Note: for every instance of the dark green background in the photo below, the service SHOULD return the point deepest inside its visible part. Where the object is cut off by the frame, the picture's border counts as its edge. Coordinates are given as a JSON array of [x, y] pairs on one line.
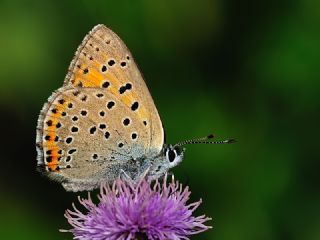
[[242, 69]]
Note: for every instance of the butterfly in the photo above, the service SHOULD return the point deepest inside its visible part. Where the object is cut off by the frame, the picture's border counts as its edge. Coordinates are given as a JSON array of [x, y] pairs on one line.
[[103, 122]]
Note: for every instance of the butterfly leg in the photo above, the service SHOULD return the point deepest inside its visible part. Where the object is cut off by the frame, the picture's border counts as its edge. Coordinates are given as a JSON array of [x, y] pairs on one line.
[[143, 175], [124, 176], [137, 179]]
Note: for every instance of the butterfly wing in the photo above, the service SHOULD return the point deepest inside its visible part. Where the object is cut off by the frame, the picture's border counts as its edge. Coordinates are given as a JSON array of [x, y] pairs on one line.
[[102, 116], [104, 61], [84, 130]]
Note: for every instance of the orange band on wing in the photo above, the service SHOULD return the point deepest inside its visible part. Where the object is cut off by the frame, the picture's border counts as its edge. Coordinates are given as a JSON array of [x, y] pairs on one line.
[[51, 137], [94, 78]]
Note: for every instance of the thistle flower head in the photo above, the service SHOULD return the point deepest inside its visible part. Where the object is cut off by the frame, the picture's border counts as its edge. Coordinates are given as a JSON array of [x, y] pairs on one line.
[[128, 211]]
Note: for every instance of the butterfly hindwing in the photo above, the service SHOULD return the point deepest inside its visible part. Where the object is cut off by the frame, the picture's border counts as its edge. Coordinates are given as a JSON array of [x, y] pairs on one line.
[[87, 129]]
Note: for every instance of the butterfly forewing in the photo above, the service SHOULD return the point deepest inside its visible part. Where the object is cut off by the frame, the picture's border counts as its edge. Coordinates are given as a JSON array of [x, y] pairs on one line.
[[104, 61]]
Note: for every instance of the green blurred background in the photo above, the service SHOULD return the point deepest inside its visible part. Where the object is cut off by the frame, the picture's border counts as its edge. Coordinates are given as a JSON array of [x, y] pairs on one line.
[[242, 69]]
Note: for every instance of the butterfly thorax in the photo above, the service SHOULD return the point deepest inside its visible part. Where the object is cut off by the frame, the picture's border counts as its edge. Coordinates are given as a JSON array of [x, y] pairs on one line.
[[153, 165]]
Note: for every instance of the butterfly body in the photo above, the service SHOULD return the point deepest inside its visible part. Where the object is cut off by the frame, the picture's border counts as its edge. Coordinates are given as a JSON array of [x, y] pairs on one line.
[[102, 122]]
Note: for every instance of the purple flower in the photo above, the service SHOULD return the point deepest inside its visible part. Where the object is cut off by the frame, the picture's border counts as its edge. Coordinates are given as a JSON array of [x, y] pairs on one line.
[[137, 211]]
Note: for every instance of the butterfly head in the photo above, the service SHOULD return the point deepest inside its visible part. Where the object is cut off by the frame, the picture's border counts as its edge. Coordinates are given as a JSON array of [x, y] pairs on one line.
[[172, 155]]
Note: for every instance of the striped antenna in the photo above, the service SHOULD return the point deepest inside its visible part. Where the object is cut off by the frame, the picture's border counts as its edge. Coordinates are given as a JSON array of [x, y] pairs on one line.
[[205, 140]]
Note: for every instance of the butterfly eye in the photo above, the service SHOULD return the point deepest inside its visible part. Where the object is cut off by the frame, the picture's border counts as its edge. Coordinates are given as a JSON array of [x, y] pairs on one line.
[[171, 155], [174, 155]]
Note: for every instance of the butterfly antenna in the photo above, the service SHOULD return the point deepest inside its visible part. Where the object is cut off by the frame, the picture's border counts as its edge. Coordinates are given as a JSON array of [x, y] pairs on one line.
[[205, 140]]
